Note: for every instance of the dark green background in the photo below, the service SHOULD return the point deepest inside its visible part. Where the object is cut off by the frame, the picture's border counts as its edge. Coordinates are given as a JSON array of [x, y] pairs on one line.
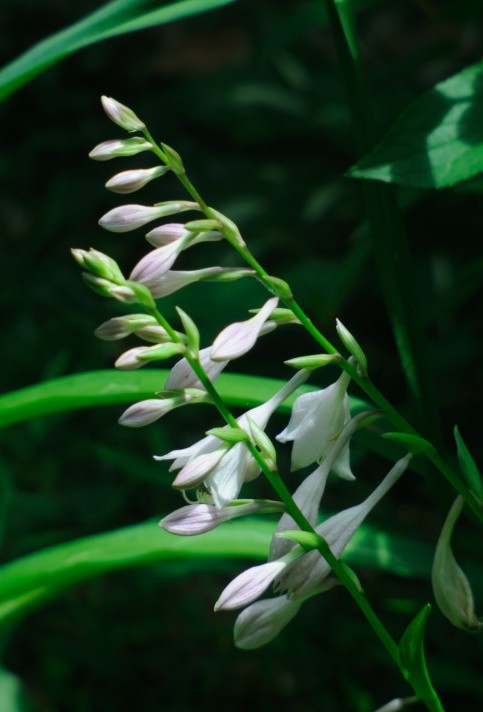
[[252, 98]]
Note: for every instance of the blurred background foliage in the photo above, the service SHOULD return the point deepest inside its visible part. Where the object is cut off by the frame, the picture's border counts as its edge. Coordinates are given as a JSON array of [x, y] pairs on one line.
[[252, 98]]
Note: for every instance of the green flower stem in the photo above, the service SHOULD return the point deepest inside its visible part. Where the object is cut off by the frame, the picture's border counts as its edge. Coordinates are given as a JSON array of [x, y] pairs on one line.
[[285, 496], [364, 383]]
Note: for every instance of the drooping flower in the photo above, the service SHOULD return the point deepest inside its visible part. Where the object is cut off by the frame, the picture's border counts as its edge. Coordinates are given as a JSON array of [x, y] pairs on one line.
[[317, 418], [230, 466], [451, 587], [183, 376], [238, 338], [303, 576]]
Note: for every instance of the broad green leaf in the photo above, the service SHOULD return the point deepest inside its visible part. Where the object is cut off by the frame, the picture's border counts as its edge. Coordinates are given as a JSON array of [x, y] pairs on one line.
[[468, 465], [112, 387], [437, 141], [28, 582], [413, 661], [112, 19]]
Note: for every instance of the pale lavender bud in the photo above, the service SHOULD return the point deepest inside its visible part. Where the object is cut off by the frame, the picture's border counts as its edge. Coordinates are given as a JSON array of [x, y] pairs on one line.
[[130, 181], [129, 360], [238, 338], [165, 234], [148, 411], [154, 334], [130, 217], [124, 294], [155, 264], [98, 264], [121, 115], [121, 326], [200, 518], [250, 584], [451, 587], [172, 280], [117, 148]]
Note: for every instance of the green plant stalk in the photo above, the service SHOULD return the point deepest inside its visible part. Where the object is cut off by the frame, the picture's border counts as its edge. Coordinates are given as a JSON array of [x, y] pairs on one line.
[[280, 488], [364, 383], [390, 244]]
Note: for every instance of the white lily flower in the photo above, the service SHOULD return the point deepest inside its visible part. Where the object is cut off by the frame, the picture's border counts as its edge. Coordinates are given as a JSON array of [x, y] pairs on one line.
[[130, 181], [317, 419], [239, 337], [234, 466], [451, 587], [121, 115], [129, 217], [200, 518], [309, 572], [310, 492]]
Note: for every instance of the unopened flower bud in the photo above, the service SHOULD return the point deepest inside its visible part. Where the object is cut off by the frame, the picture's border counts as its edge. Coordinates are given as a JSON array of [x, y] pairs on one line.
[[98, 264], [352, 347], [130, 217], [129, 360], [451, 587], [148, 411], [150, 269], [238, 338], [117, 148], [122, 115], [200, 518], [121, 326], [165, 234], [173, 159], [130, 181]]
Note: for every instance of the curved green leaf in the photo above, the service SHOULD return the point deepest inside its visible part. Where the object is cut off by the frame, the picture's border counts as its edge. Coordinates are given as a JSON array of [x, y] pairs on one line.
[[437, 141], [36, 578], [112, 19], [109, 387]]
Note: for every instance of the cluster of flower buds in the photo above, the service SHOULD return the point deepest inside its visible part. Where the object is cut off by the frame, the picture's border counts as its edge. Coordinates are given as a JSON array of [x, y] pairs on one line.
[[217, 466]]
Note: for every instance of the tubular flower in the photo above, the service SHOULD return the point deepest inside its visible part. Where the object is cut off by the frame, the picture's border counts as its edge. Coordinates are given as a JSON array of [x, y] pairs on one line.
[[224, 469], [299, 575], [156, 263], [317, 419], [173, 280]]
